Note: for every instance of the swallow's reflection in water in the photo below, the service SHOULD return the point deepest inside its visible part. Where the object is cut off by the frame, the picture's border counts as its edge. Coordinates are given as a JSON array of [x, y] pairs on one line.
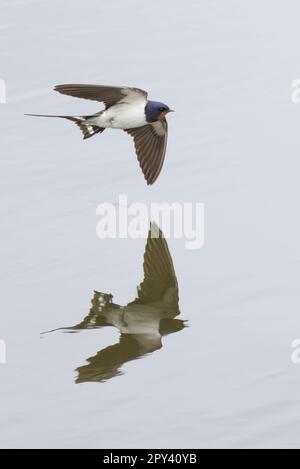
[[141, 323]]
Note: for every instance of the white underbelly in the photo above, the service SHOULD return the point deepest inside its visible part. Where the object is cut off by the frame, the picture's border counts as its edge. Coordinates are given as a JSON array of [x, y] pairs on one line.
[[121, 116]]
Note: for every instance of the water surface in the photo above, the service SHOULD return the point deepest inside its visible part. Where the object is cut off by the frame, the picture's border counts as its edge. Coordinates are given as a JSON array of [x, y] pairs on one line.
[[227, 379]]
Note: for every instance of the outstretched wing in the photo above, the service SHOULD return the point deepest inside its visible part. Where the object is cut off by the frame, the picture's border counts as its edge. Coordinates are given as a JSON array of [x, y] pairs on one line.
[[106, 363], [159, 274], [150, 144], [109, 95]]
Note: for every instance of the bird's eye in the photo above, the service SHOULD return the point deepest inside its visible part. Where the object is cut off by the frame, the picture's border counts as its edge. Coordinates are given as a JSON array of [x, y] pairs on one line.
[[162, 109]]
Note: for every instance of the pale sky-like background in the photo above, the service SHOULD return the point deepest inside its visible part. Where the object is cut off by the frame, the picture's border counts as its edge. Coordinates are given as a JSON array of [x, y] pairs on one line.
[[226, 68]]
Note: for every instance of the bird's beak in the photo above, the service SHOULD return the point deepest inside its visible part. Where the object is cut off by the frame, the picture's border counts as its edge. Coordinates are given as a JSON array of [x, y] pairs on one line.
[[163, 113]]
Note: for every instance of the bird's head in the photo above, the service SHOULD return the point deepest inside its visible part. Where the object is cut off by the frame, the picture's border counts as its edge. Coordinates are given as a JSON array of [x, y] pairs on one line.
[[155, 111]]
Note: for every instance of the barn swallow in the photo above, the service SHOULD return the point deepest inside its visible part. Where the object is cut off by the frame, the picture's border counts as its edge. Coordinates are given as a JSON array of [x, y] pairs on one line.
[[130, 110], [143, 322]]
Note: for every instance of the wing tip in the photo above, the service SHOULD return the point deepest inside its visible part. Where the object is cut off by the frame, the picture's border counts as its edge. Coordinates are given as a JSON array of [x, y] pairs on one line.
[[59, 88], [152, 179]]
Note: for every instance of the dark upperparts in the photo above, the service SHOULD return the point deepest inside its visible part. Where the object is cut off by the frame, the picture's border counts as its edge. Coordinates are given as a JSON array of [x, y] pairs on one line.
[[154, 110]]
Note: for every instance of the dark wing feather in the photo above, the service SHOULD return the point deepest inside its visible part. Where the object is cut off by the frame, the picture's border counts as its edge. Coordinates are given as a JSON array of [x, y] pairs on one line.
[[159, 273], [150, 144], [109, 95], [106, 363]]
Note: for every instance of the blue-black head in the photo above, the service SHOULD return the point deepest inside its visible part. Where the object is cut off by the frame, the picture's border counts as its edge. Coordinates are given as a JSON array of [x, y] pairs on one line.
[[155, 110]]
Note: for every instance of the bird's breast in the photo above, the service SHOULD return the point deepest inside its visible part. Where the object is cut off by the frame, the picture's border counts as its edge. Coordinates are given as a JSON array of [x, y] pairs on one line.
[[123, 116]]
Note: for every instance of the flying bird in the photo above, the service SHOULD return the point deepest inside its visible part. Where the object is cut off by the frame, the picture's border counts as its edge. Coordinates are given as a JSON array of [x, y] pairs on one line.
[[142, 323], [130, 110]]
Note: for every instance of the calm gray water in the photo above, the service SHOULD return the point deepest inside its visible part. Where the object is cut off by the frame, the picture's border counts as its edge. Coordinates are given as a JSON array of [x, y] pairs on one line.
[[226, 380]]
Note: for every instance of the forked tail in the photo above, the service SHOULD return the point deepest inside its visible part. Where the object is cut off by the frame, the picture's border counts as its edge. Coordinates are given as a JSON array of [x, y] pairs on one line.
[[87, 129]]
